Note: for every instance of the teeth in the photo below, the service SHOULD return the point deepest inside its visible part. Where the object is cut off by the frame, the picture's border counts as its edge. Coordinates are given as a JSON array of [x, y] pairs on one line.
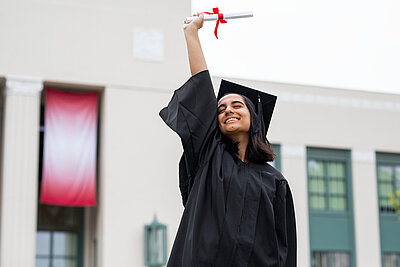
[[231, 119]]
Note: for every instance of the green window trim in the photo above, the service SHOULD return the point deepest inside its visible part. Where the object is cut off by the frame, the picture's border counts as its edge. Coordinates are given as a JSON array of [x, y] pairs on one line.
[[388, 177], [331, 226], [330, 258], [391, 259], [277, 162], [329, 180], [387, 182]]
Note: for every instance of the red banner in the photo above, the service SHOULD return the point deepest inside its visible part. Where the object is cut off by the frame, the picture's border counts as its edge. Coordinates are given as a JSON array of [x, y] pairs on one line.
[[70, 144]]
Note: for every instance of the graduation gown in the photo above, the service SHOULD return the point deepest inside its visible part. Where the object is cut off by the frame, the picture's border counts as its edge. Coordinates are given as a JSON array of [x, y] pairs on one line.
[[236, 213]]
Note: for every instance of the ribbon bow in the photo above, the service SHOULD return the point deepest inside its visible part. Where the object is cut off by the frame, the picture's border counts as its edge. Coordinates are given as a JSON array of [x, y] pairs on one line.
[[220, 19]]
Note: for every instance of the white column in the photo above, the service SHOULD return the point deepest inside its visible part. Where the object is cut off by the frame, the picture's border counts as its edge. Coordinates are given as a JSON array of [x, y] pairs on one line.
[[294, 169], [366, 214], [20, 160]]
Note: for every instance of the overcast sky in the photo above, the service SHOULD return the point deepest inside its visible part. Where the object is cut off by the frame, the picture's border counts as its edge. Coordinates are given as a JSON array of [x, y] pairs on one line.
[[348, 44]]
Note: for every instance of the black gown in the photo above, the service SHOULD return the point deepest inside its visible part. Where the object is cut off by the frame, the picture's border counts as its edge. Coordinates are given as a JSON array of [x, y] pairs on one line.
[[236, 213]]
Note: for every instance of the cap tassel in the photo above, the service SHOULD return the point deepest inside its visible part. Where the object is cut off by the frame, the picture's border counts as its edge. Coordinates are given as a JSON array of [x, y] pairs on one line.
[[260, 117]]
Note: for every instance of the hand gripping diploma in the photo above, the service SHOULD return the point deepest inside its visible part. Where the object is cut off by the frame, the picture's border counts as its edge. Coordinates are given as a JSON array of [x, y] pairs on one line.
[[197, 61]]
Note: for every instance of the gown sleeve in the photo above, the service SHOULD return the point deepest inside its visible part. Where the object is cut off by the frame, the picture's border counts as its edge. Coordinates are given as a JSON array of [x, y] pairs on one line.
[[191, 113], [285, 226]]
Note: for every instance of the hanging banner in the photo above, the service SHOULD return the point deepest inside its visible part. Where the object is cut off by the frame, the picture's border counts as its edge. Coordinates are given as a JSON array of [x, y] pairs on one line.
[[70, 147]]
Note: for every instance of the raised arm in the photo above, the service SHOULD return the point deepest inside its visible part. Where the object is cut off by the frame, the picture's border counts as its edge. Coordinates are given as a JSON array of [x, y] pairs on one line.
[[197, 61]]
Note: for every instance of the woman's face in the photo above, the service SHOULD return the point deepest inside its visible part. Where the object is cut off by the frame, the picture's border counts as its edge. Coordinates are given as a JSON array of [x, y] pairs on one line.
[[233, 115]]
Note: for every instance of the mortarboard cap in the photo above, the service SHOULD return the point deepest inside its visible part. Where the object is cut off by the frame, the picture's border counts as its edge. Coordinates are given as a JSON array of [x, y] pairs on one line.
[[263, 102]]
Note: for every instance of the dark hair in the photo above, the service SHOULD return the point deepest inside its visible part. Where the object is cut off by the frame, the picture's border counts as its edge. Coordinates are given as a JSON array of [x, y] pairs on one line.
[[259, 150]]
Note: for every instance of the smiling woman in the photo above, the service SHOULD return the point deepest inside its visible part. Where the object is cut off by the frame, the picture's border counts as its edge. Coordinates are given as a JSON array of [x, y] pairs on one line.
[[238, 208], [233, 115], [234, 121]]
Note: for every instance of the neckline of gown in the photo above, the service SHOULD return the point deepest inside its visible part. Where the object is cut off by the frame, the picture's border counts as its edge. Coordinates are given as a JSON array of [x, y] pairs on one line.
[[254, 165], [241, 162]]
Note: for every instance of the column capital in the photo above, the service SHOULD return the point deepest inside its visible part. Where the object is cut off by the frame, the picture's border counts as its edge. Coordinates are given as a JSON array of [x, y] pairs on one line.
[[23, 85], [363, 155], [294, 151]]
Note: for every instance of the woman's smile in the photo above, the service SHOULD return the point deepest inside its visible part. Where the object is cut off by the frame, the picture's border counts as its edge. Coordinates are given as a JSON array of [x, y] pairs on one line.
[[231, 120]]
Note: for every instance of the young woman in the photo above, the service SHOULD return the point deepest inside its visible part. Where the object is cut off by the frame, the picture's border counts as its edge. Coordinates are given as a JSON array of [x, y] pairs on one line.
[[238, 209]]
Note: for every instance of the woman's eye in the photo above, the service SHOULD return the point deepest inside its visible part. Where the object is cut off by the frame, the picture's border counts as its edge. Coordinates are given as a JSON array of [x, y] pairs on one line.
[[220, 111], [237, 106]]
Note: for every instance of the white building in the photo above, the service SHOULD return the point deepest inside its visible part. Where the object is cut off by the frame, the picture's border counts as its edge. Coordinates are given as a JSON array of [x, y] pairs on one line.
[[339, 149]]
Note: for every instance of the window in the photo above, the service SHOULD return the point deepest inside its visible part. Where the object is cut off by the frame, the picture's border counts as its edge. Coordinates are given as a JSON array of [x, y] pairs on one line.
[[330, 259], [327, 184], [391, 260], [59, 236], [330, 208], [388, 180], [277, 161], [55, 248]]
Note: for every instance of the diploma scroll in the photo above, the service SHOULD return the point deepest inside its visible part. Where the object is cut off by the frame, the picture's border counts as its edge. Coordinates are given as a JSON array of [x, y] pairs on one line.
[[227, 16]]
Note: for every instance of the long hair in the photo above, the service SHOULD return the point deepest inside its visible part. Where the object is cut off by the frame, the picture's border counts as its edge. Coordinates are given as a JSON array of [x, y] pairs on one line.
[[259, 150]]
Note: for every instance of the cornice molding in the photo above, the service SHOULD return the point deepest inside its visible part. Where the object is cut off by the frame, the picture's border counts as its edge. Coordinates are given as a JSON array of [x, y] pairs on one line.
[[23, 86], [339, 101]]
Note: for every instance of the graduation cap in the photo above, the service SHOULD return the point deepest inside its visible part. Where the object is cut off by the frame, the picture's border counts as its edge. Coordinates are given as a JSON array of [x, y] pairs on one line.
[[263, 102]]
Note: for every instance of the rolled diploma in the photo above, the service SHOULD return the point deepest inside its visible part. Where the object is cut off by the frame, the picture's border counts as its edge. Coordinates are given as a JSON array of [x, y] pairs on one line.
[[213, 17]]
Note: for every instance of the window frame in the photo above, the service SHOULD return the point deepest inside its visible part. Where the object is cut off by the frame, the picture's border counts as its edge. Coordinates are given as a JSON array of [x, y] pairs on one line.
[[78, 229], [389, 224], [391, 253], [392, 160], [331, 155], [278, 159], [321, 220], [330, 255], [52, 256]]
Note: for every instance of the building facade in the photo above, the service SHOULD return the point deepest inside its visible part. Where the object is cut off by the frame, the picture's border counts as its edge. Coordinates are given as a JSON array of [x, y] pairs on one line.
[[339, 149]]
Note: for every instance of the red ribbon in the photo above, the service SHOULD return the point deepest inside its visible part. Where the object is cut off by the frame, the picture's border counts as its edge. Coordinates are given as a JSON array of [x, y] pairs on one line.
[[220, 19]]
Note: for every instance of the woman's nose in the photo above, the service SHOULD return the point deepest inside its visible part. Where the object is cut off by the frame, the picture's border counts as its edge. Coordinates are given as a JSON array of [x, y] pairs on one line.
[[228, 110]]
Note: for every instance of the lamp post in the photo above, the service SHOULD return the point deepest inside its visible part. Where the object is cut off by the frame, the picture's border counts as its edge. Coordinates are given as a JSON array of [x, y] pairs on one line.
[[155, 244]]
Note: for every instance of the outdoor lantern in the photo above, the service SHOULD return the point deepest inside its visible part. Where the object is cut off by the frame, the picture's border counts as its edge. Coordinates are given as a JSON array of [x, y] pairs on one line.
[[155, 244]]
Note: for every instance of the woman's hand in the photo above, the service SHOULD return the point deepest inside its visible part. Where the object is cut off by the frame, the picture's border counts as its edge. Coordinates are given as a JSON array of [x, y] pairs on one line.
[[197, 61], [195, 24]]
